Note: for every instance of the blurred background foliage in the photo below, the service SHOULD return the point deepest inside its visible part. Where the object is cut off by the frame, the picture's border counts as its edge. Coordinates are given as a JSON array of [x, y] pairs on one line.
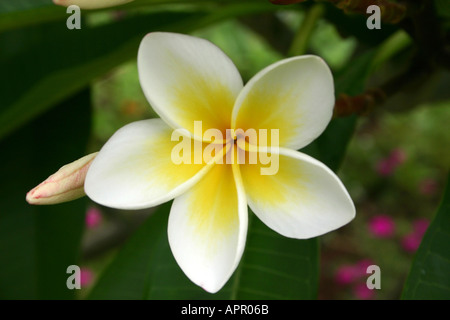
[[65, 92]]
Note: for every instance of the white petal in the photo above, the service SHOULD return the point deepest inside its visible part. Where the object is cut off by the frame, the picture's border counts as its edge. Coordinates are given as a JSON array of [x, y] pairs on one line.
[[303, 199], [134, 169], [188, 79], [294, 96], [208, 227]]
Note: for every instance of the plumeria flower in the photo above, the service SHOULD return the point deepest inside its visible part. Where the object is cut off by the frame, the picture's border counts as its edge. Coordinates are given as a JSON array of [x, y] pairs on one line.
[[187, 80], [91, 4]]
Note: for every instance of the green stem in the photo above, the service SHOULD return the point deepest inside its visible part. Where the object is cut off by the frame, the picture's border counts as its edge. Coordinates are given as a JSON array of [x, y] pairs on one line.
[[300, 43], [391, 46]]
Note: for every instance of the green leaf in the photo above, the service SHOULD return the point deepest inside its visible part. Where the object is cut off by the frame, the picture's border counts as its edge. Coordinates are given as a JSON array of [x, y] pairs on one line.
[[129, 274], [273, 267], [15, 13], [47, 63], [38, 243], [355, 25], [429, 277], [442, 8], [276, 267], [22, 13], [54, 62]]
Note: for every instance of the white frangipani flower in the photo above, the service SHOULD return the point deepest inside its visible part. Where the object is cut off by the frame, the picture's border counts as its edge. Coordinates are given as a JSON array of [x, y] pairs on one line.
[[186, 80]]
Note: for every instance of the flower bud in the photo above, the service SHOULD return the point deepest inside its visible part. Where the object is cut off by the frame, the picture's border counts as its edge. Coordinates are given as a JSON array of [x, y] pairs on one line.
[[91, 4], [65, 185]]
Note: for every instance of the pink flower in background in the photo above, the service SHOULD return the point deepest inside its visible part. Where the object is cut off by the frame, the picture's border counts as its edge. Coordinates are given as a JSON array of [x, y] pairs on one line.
[[93, 217], [362, 265], [428, 187], [355, 275], [346, 274], [397, 157], [382, 226], [384, 167], [420, 226], [361, 291], [411, 242], [349, 273], [86, 277], [387, 166]]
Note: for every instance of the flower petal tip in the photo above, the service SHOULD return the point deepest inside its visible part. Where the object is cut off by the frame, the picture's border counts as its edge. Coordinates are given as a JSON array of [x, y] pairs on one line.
[[38, 194], [210, 290], [31, 197]]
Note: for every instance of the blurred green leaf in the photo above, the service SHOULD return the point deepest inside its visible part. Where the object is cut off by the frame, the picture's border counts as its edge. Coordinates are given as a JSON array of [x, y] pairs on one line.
[[55, 62], [38, 243], [429, 276], [130, 274], [276, 267], [352, 79], [14, 13], [442, 7], [21, 13], [354, 25], [145, 268], [22, 5], [47, 63], [273, 267]]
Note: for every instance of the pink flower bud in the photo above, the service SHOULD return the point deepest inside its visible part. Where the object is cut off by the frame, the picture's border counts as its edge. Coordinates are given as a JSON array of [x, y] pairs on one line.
[[65, 185]]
